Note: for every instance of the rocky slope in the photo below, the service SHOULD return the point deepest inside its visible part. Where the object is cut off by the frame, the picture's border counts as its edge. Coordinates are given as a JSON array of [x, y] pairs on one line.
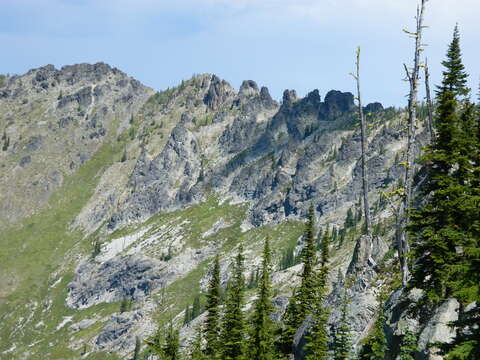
[[110, 191]]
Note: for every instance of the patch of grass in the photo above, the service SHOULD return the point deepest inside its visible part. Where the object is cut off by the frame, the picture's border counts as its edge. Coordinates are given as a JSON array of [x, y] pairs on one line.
[[32, 250], [180, 293]]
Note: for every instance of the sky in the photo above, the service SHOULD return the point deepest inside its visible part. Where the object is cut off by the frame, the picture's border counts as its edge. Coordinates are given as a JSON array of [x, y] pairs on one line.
[[281, 44]]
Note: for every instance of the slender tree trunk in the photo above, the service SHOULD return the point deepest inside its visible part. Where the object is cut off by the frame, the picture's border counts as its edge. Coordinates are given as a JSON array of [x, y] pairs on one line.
[[363, 127], [429, 103], [402, 234]]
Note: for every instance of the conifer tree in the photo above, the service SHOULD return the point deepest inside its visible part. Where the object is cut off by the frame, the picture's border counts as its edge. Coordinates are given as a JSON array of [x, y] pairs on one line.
[[343, 343], [350, 220], [325, 248], [212, 322], [408, 346], [375, 345], [447, 224], [172, 342], [196, 352], [318, 335], [306, 292], [291, 321], [167, 348], [454, 75], [196, 307], [187, 317], [305, 299], [466, 344], [262, 346], [233, 328], [136, 351]]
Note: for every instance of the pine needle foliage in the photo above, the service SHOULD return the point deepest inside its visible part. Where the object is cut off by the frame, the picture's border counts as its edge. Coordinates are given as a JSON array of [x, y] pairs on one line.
[[454, 76], [306, 293], [166, 347], [302, 301], [318, 335], [375, 345], [196, 352], [262, 334], [343, 343], [212, 322], [408, 347], [446, 228], [232, 336]]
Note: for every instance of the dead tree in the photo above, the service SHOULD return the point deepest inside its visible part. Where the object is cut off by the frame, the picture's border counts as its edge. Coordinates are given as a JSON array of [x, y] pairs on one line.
[[429, 103], [363, 127], [413, 77]]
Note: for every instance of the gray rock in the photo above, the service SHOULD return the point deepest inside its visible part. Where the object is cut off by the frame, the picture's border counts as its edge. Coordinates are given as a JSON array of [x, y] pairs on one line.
[[218, 92], [248, 88], [82, 97], [368, 252], [34, 143], [430, 325], [373, 108], [83, 324], [117, 333], [337, 102], [132, 276], [25, 160]]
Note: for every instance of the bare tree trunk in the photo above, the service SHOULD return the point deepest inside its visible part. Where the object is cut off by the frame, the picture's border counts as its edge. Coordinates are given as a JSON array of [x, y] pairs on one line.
[[402, 234], [429, 103], [363, 127]]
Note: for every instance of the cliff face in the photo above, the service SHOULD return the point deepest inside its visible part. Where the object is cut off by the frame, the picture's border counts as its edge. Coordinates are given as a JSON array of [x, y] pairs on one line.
[[110, 191]]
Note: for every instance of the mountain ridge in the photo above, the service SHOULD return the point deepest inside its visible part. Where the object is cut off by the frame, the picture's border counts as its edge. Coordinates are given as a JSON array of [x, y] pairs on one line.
[[174, 178]]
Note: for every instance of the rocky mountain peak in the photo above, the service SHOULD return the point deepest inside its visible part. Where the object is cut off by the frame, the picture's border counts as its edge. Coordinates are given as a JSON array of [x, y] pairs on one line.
[[337, 102], [248, 88], [289, 97], [374, 107], [218, 92]]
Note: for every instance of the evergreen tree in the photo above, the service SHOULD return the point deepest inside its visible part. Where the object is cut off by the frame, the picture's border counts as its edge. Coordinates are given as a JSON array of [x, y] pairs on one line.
[[318, 335], [196, 307], [408, 346], [288, 258], [233, 328], [187, 316], [375, 345], [136, 351], [172, 342], [334, 234], [291, 321], [196, 352], [343, 343], [167, 348], [342, 234], [325, 248], [262, 346], [466, 344], [306, 292], [447, 226], [125, 305], [350, 220], [212, 321], [454, 76]]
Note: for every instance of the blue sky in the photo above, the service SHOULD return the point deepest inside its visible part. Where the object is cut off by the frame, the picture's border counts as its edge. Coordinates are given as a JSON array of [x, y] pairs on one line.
[[294, 44]]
